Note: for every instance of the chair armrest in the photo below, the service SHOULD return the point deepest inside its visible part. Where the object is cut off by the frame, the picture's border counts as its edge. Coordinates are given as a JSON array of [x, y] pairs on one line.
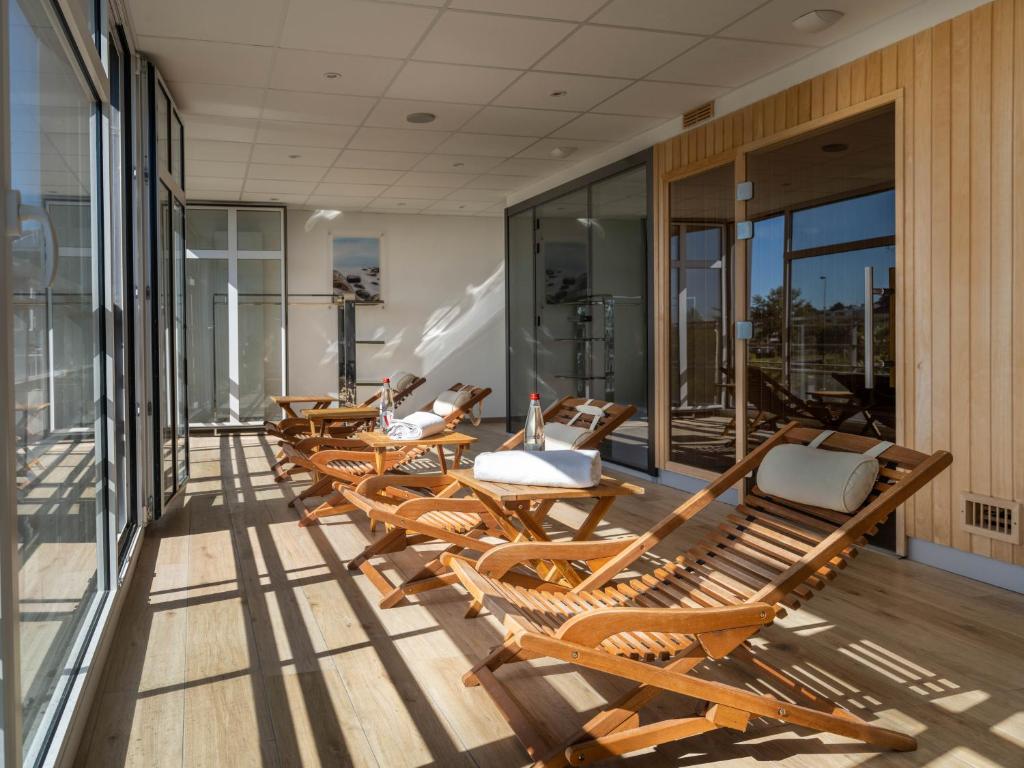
[[310, 444], [592, 627], [501, 559], [413, 508], [322, 459], [385, 484]]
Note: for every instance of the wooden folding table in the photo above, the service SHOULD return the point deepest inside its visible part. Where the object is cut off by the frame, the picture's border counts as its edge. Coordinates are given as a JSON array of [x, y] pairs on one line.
[[320, 418], [288, 403]]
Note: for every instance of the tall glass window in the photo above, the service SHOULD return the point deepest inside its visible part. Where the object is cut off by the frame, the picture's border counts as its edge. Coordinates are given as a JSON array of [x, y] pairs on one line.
[[235, 271], [577, 271], [57, 303]]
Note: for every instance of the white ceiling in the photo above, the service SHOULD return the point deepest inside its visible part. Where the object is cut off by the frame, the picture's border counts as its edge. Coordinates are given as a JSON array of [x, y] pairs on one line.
[[263, 124]]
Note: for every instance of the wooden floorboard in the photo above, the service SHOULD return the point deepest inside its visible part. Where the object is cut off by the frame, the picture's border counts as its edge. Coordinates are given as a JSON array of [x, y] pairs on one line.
[[246, 642]]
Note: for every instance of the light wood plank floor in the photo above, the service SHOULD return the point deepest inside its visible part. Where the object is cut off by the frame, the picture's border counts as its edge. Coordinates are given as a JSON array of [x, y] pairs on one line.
[[246, 642]]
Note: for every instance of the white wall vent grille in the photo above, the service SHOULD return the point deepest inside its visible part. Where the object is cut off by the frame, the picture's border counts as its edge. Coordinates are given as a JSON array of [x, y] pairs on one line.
[[990, 517]]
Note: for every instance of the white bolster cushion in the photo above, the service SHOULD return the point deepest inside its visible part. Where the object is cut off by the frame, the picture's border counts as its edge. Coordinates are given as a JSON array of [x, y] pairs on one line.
[[401, 379], [556, 469], [562, 437], [416, 426], [449, 401], [835, 480]]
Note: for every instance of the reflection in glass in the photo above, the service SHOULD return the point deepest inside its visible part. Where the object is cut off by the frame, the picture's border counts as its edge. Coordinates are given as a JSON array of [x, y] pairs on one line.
[[259, 230], [521, 338], [701, 369], [165, 311], [180, 365], [55, 336], [207, 229], [207, 298], [618, 232], [260, 374]]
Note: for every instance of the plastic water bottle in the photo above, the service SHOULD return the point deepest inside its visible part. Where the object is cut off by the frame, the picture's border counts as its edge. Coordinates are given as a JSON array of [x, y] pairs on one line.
[[533, 437], [387, 406]]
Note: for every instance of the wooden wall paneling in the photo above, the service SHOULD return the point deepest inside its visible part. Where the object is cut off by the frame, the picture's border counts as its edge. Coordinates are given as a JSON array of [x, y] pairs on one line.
[[803, 102], [889, 72], [858, 80], [780, 111], [1017, 326], [921, 349], [817, 97], [759, 119], [828, 92], [843, 86], [959, 413], [1002, 407], [905, 265], [793, 106], [980, 274], [940, 412], [873, 75]]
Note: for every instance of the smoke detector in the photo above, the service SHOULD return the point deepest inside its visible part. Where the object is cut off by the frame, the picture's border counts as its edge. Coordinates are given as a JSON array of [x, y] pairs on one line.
[[816, 21]]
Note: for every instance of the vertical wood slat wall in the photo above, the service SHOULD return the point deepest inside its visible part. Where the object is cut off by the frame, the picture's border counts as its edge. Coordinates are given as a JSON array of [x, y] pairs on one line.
[[960, 246]]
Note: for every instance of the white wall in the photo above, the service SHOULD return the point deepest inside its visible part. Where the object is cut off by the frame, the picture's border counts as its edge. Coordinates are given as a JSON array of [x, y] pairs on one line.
[[443, 317]]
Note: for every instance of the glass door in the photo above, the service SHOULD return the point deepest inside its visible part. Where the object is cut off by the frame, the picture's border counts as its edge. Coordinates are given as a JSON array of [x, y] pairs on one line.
[[821, 270], [54, 302]]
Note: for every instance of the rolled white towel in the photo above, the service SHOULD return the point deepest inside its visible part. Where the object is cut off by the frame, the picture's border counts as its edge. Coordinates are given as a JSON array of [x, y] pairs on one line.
[[557, 469], [416, 426]]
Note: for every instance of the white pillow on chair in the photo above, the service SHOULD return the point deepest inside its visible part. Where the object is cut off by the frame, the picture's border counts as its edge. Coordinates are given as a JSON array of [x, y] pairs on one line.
[[401, 379], [562, 437], [449, 401], [835, 480]]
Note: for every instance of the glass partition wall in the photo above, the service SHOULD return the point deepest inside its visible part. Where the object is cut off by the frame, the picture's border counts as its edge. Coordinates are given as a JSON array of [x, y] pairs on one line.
[[235, 274], [577, 266]]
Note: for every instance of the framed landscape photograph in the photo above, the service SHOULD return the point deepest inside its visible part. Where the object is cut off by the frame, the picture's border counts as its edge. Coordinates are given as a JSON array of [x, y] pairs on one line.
[[356, 267]]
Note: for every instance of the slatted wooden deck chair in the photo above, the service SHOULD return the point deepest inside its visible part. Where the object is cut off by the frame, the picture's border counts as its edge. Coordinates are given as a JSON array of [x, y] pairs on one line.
[[655, 629], [340, 464], [291, 431], [774, 402], [399, 503]]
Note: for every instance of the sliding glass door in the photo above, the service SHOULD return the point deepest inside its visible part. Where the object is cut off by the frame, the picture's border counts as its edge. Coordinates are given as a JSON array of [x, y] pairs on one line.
[[56, 303], [235, 274], [577, 301]]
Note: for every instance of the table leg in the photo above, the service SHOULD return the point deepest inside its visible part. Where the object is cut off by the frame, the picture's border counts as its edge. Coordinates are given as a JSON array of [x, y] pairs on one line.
[[289, 412], [378, 460], [594, 518], [457, 459], [441, 460], [521, 510]]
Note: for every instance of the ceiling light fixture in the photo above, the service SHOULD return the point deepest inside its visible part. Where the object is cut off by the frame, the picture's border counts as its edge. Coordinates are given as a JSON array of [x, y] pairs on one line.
[[558, 94], [560, 152], [816, 21], [294, 157], [420, 117], [833, 148], [332, 75], [457, 165]]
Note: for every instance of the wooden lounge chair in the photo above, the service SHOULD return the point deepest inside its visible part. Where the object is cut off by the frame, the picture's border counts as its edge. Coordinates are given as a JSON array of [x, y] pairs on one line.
[[341, 463], [398, 501], [774, 403], [706, 604], [293, 430]]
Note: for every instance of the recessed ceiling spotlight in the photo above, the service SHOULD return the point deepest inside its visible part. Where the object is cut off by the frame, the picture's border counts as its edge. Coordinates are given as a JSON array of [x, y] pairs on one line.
[[294, 157], [457, 165], [558, 94], [420, 117], [461, 207], [332, 75], [816, 21], [833, 148], [274, 199], [400, 204], [560, 152]]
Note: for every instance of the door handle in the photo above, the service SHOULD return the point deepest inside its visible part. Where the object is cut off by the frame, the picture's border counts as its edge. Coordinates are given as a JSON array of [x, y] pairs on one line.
[[19, 214]]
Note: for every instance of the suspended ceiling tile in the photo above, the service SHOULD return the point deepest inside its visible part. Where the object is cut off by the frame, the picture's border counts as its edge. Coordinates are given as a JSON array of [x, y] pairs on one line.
[[428, 179], [415, 193], [277, 187], [616, 52], [361, 158], [459, 206], [316, 107], [223, 169], [291, 154], [513, 121], [218, 195], [538, 90], [290, 172], [577, 148], [338, 202], [522, 166], [392, 113], [355, 26], [484, 144], [698, 17], [606, 127], [566, 10], [450, 82], [286, 199], [457, 163], [349, 190], [198, 61], [304, 134], [362, 176], [774, 21], [397, 139], [398, 205], [488, 195], [224, 151], [729, 62], [647, 99], [490, 40], [255, 22], [499, 183], [217, 100], [213, 183], [220, 128], [295, 70]]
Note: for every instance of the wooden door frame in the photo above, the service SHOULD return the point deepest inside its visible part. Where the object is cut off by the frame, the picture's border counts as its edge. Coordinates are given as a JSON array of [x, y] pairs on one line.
[[664, 177]]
